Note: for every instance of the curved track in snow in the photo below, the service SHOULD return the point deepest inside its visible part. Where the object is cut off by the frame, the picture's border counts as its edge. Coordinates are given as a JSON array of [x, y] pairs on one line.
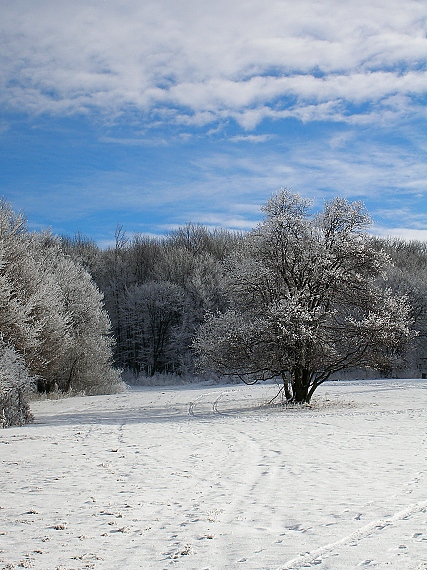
[[211, 478]]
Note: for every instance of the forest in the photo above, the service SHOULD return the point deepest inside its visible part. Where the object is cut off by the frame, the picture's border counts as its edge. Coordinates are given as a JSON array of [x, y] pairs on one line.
[[76, 317]]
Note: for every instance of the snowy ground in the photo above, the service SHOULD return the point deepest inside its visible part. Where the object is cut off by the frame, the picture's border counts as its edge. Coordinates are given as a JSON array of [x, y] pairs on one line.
[[210, 478]]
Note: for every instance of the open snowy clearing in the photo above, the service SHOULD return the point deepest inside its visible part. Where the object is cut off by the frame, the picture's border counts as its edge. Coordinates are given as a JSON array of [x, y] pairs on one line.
[[209, 477]]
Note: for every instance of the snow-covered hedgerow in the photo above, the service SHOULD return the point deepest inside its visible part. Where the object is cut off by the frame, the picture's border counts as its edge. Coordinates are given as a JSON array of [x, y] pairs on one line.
[[15, 387]]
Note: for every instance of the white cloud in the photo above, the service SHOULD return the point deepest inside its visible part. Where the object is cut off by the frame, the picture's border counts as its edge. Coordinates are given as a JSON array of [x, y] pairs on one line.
[[226, 188], [404, 233], [251, 138], [209, 60], [223, 220], [199, 68]]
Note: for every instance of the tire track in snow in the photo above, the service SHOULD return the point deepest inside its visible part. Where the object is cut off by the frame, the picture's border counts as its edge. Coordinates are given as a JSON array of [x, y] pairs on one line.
[[216, 402], [249, 481], [213, 407], [231, 493], [312, 558], [194, 403]]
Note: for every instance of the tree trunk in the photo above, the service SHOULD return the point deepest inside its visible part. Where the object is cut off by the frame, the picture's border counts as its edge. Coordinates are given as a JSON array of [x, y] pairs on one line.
[[287, 388], [45, 386], [300, 386]]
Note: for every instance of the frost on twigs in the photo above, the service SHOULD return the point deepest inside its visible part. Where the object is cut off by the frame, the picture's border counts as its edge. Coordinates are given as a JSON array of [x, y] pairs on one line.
[[15, 387], [305, 301], [52, 316]]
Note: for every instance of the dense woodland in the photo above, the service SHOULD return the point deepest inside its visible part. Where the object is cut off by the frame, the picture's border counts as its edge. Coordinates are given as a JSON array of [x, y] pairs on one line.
[[73, 316], [54, 331], [158, 292]]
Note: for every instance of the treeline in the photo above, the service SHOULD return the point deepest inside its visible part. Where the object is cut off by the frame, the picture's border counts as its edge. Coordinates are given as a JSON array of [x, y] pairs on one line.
[[73, 315], [159, 290], [54, 330], [407, 274]]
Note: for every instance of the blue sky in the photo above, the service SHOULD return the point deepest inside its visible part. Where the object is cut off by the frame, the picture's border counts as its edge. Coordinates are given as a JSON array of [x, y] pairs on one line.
[[153, 113]]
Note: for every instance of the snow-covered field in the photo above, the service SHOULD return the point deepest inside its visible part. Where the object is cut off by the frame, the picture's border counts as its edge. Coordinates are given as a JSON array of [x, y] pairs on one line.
[[209, 477]]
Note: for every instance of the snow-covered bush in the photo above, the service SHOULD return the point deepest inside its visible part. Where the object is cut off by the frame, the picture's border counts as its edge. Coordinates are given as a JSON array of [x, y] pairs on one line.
[[162, 379], [15, 387]]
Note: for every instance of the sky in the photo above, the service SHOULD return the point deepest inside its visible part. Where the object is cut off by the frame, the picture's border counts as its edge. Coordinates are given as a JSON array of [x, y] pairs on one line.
[[150, 114]]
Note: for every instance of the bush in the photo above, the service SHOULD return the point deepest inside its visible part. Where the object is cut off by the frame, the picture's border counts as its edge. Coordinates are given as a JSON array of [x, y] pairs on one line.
[[16, 385]]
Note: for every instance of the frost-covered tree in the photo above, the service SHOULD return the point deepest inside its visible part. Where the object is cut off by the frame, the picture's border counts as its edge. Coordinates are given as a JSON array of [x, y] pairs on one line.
[[82, 358], [51, 312], [32, 318], [304, 301], [152, 317], [87, 363], [135, 270], [408, 276], [16, 385], [200, 240]]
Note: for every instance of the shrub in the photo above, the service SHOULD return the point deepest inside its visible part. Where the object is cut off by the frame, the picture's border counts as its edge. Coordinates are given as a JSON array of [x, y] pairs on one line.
[[15, 387]]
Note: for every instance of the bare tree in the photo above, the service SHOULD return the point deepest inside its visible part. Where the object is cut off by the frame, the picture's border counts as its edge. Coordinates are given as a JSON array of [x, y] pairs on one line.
[[408, 276], [152, 316]]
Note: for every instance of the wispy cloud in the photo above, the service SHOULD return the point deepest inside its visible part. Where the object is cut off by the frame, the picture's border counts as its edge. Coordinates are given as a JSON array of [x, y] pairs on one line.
[[257, 139], [404, 233], [198, 111], [212, 60]]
